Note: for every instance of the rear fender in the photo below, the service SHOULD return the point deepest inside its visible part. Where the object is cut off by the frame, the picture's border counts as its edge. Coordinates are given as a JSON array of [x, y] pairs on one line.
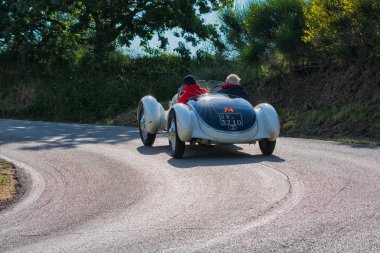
[[184, 123], [268, 122], [154, 114]]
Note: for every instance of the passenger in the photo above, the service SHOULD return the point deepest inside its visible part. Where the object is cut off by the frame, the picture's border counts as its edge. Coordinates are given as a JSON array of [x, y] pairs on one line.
[[233, 88], [191, 90]]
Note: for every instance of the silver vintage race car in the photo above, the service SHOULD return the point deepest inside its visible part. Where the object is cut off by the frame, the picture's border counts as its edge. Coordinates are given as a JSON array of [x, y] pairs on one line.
[[209, 119]]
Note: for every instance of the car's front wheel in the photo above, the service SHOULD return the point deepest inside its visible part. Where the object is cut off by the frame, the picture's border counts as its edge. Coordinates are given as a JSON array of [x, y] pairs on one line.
[[267, 146], [177, 146], [146, 137]]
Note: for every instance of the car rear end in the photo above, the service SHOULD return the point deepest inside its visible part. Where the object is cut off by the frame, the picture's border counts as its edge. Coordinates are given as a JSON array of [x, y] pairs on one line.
[[221, 119]]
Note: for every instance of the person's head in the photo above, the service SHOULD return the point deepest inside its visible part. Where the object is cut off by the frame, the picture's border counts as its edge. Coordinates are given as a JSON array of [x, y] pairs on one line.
[[188, 80], [233, 79]]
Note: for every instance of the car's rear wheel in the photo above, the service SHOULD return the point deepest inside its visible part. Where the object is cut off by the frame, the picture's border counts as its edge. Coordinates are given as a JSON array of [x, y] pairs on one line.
[[267, 146], [146, 137], [177, 146]]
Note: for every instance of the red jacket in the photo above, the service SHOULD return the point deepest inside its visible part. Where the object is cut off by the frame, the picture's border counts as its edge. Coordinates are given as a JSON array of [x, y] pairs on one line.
[[190, 92], [228, 85], [234, 90]]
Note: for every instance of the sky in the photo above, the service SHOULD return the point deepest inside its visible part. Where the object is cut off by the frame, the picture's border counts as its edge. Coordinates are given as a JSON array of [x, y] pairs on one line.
[[211, 18]]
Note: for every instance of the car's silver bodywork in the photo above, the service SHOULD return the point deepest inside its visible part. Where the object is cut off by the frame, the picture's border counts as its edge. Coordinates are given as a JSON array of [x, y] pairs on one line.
[[191, 127]]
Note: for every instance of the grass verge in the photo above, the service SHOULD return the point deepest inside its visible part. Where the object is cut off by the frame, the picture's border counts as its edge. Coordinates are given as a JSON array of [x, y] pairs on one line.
[[354, 125], [8, 183]]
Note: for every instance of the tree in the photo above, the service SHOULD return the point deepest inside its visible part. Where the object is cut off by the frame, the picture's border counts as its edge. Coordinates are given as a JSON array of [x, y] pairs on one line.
[[104, 24], [36, 29], [344, 29], [119, 22], [266, 28]]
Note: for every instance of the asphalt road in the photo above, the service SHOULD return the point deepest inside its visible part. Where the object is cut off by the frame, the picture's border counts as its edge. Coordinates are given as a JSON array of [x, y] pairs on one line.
[[97, 189]]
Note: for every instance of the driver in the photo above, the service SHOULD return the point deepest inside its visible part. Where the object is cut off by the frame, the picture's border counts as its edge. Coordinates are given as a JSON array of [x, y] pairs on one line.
[[191, 89], [232, 87]]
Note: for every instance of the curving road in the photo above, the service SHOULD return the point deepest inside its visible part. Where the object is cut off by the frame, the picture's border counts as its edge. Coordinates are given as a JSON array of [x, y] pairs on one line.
[[97, 189]]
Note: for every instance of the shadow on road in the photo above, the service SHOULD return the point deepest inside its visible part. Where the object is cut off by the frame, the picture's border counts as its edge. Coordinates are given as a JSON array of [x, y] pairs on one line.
[[61, 136], [220, 155], [153, 150], [213, 161], [359, 146]]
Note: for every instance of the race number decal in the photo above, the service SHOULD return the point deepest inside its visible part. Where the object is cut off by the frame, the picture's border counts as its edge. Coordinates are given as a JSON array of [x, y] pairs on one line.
[[230, 109]]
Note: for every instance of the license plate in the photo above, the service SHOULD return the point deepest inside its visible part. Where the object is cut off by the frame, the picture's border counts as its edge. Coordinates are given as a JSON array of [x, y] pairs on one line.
[[230, 119]]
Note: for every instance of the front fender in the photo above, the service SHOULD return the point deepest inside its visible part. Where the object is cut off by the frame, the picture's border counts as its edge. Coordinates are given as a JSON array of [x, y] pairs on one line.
[[184, 124], [153, 113], [268, 122]]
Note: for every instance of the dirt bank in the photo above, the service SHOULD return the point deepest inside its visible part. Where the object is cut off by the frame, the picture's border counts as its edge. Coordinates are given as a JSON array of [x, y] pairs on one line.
[[327, 101]]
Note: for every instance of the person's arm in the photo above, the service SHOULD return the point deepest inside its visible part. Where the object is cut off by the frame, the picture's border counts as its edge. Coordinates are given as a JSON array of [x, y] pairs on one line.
[[205, 90], [183, 98]]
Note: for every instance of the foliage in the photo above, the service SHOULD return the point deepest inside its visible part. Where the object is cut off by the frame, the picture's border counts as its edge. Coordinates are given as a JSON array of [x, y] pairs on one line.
[[89, 90], [35, 27], [82, 88], [234, 28], [344, 29], [121, 22], [266, 30], [37, 30]]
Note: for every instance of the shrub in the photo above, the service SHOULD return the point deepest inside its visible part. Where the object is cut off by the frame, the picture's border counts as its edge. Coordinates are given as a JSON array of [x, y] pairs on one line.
[[343, 29]]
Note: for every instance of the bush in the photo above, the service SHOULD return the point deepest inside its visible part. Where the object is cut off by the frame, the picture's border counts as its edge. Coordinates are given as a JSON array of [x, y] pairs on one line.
[[85, 88], [89, 89], [343, 29]]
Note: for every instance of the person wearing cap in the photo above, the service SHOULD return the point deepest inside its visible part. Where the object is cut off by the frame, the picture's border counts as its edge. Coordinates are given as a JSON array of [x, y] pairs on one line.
[[233, 88], [190, 89]]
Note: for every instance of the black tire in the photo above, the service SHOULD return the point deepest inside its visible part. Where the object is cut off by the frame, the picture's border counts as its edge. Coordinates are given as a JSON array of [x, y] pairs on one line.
[[146, 138], [267, 146], [177, 147]]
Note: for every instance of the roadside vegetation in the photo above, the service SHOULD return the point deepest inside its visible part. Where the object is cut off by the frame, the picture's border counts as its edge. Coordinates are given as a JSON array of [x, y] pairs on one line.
[[316, 61], [8, 182]]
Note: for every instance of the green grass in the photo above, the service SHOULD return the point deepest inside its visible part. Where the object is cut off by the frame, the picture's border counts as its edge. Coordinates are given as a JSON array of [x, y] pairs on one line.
[[349, 124], [4, 180], [5, 165]]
